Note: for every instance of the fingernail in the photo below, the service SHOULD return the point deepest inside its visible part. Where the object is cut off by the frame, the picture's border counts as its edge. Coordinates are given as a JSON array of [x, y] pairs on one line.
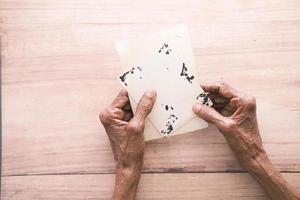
[[151, 93], [197, 107]]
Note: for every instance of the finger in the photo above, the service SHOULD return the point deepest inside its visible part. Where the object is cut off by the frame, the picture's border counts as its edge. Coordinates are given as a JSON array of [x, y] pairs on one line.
[[120, 100], [110, 115], [144, 106], [222, 89], [217, 99], [208, 114]]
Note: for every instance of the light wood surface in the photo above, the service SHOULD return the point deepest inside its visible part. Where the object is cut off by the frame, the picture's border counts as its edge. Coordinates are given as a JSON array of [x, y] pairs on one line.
[[208, 186], [59, 70]]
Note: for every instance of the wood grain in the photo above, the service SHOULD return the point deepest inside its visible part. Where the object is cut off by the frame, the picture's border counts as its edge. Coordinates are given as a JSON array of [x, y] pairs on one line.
[[209, 186], [58, 71]]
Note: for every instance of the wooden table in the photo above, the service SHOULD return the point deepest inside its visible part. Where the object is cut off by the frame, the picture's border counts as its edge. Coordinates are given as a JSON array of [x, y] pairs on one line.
[[59, 70]]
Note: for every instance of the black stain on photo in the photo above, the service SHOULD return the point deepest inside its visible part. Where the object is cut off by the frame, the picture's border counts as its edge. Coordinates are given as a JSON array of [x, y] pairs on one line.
[[184, 72]]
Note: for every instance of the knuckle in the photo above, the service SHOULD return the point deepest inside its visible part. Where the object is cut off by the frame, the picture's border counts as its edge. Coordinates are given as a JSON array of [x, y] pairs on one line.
[[103, 117], [250, 101], [135, 128]]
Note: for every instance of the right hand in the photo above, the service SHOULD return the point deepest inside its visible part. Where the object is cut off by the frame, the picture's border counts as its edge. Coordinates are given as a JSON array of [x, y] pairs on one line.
[[234, 113]]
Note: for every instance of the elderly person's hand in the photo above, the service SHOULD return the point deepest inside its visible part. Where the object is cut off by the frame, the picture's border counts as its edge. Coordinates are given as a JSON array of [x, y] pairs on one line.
[[125, 133], [234, 113]]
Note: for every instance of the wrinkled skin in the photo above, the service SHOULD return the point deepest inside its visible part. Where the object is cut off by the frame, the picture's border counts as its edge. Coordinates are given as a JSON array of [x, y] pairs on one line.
[[125, 133], [234, 113]]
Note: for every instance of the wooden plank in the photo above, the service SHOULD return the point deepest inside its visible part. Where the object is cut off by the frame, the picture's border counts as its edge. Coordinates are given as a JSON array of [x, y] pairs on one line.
[[209, 186], [59, 69], [143, 11]]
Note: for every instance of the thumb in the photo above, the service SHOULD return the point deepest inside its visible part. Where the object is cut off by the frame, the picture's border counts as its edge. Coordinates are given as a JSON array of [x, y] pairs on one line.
[[209, 114], [144, 106]]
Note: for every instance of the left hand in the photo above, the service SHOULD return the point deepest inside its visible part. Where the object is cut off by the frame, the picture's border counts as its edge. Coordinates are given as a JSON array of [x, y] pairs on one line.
[[125, 131]]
